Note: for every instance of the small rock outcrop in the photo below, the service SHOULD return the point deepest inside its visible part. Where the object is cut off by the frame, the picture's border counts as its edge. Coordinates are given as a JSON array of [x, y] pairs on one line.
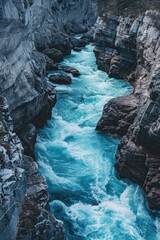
[[71, 70], [60, 79], [118, 115], [130, 49]]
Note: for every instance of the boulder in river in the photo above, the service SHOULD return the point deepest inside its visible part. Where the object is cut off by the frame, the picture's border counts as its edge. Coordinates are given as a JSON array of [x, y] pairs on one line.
[[60, 79], [77, 49], [71, 70]]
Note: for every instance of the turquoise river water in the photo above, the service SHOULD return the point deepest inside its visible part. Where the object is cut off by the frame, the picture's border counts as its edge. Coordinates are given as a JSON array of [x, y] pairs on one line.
[[78, 162]]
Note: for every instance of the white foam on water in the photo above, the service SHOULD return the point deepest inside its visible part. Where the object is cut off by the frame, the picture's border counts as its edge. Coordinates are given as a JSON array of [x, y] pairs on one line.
[[78, 162]]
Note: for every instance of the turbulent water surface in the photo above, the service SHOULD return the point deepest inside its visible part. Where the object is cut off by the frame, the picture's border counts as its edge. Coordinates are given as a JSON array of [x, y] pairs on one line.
[[78, 162]]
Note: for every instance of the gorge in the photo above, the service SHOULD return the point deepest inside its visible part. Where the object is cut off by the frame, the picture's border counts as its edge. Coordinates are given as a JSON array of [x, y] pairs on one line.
[[78, 162], [92, 202]]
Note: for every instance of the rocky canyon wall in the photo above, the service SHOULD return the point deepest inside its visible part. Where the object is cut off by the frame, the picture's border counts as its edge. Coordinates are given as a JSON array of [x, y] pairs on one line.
[[27, 28], [127, 8], [129, 48]]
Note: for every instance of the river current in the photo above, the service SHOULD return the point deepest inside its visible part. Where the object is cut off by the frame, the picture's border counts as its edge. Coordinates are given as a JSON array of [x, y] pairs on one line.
[[78, 162]]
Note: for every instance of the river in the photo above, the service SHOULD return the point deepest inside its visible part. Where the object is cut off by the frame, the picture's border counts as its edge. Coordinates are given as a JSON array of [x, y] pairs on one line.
[[78, 162]]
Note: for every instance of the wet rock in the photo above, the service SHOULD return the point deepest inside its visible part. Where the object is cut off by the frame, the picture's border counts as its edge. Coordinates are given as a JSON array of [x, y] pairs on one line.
[[71, 70], [54, 54], [118, 115], [60, 79], [77, 49], [131, 161], [12, 176]]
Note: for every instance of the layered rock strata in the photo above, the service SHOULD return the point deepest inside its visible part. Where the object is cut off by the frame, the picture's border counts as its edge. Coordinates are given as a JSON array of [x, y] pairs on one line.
[[131, 50], [22, 190], [29, 30], [26, 27]]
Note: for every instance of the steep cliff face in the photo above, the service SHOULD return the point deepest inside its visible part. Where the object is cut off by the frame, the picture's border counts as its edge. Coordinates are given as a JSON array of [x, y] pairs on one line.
[[139, 151], [127, 8], [137, 116], [115, 40], [53, 20], [22, 190], [24, 26], [12, 176], [26, 29], [22, 67]]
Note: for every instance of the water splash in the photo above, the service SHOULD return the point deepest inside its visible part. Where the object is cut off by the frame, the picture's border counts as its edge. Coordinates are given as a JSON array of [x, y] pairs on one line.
[[78, 162]]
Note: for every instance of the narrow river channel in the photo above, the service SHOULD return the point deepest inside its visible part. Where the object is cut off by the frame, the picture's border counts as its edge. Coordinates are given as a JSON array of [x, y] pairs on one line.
[[78, 162]]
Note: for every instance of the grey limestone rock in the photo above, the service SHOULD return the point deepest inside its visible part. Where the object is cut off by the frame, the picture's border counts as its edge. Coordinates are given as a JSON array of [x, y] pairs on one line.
[[24, 207], [27, 28], [118, 115], [136, 45]]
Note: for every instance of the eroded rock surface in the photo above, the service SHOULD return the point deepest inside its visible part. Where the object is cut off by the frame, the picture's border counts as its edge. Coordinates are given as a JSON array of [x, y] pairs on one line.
[[118, 115], [24, 28], [131, 50], [27, 28], [24, 208]]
